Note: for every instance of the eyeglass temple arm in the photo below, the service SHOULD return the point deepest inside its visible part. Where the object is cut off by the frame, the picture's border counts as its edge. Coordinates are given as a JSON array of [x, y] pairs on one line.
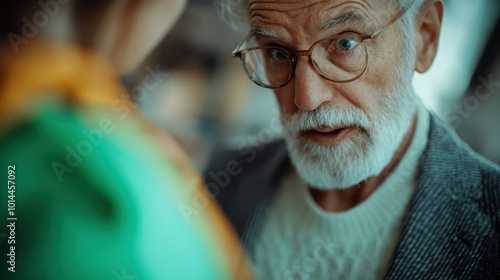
[[237, 52], [396, 18]]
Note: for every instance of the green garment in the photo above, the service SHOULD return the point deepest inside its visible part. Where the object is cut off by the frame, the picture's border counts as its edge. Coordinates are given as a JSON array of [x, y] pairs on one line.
[[95, 200]]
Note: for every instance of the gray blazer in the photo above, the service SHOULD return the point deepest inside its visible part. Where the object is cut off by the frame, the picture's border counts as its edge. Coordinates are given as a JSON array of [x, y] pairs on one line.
[[453, 227]]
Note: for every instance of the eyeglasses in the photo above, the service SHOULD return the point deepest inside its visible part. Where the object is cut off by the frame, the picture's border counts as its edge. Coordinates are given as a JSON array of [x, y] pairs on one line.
[[340, 59]]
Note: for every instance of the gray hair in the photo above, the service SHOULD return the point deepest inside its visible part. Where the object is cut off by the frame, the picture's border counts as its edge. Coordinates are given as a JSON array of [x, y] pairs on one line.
[[407, 21], [406, 24], [233, 12]]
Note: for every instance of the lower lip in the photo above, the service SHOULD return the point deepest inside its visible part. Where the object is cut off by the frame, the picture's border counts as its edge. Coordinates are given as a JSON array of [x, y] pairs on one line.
[[333, 138]]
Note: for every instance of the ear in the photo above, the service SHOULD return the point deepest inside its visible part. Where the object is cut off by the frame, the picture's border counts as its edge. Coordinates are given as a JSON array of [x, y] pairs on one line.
[[428, 27], [142, 24]]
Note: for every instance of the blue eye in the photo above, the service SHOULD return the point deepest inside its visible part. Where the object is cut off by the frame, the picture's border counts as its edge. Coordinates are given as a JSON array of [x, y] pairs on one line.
[[345, 44], [278, 55]]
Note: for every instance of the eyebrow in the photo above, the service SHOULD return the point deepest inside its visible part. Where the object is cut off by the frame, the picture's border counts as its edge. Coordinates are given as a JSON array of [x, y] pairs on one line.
[[261, 32], [343, 20]]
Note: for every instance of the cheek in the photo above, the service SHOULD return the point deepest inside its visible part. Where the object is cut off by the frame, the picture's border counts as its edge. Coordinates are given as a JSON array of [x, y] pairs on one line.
[[286, 100], [367, 96], [379, 81], [383, 63]]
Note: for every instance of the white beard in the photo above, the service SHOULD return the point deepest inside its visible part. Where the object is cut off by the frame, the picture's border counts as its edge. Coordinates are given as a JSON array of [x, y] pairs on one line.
[[354, 160]]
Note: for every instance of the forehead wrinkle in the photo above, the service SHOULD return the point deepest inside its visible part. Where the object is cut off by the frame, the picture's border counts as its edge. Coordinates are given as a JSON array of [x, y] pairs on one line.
[[350, 17], [296, 6], [358, 14], [274, 19], [277, 13]]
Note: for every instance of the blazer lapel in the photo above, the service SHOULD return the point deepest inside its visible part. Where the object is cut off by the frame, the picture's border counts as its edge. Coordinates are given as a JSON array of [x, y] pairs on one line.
[[445, 231]]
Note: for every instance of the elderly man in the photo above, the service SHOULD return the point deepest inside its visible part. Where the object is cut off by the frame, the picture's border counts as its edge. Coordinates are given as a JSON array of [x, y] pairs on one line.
[[367, 184]]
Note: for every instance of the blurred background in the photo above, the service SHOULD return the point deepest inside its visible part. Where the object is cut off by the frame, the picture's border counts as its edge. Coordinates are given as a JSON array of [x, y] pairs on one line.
[[206, 101]]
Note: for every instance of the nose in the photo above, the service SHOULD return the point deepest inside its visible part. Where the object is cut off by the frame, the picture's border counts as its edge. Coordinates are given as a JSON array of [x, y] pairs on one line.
[[311, 90]]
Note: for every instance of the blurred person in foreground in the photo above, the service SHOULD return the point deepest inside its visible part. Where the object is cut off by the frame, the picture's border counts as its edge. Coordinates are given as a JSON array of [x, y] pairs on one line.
[[367, 183], [95, 191]]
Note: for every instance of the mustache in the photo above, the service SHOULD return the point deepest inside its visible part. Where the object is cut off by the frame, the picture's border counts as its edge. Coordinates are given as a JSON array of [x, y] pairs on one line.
[[326, 116]]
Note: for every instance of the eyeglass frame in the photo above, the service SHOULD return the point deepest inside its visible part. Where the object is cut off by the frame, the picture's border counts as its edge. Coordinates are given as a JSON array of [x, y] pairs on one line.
[[293, 55]]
